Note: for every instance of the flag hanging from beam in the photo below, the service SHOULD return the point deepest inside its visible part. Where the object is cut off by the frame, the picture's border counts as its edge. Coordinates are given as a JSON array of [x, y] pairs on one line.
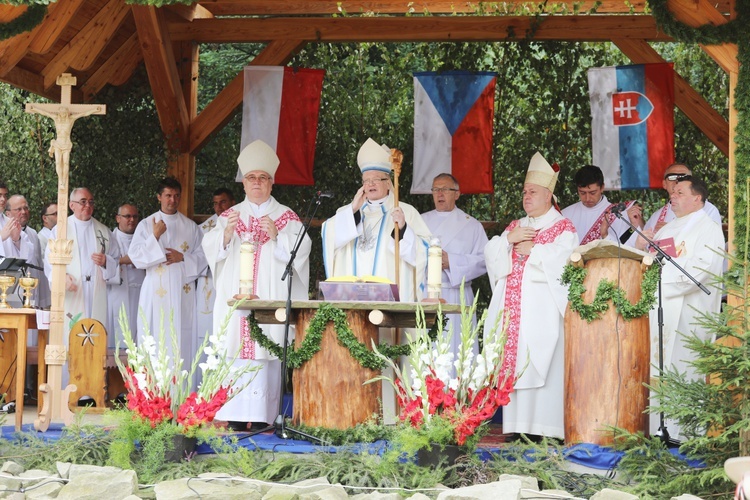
[[632, 123], [453, 124], [280, 106]]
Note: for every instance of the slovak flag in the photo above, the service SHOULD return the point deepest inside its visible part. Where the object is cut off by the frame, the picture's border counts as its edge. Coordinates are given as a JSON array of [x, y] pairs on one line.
[[632, 123], [280, 106], [453, 125]]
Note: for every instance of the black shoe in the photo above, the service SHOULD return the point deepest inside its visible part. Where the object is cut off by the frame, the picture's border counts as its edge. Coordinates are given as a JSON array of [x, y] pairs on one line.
[[258, 426], [87, 401], [237, 426]]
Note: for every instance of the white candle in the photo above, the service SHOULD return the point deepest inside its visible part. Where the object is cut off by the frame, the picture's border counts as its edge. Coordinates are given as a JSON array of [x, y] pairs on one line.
[[247, 267], [434, 269]]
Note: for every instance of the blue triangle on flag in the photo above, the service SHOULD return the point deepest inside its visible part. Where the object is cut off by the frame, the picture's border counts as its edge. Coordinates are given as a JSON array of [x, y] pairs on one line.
[[453, 93]]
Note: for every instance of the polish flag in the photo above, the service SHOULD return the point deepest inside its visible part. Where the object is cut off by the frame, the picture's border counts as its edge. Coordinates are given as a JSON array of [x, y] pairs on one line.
[[280, 106], [632, 123], [453, 125]]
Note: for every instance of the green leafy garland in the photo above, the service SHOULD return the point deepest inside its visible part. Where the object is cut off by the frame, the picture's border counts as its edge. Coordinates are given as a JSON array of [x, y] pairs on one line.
[[296, 357], [606, 291], [25, 22]]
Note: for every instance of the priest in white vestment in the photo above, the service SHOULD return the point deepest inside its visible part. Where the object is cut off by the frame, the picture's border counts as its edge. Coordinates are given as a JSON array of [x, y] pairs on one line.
[[698, 242], [127, 292], [673, 174], [274, 229], [93, 265], [524, 265], [359, 240], [168, 246], [593, 215], [205, 293], [462, 239], [49, 221]]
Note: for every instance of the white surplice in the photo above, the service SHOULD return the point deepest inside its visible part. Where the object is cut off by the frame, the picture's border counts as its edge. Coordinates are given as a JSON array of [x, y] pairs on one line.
[[90, 298], [205, 293], [528, 294], [28, 249], [44, 234], [259, 401], [587, 221], [463, 238], [699, 242], [168, 291], [125, 293]]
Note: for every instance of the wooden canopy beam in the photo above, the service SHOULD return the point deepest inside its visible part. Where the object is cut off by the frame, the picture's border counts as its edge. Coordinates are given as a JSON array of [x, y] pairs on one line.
[[699, 12], [159, 59], [26, 80], [116, 70], [60, 14], [83, 50], [354, 7], [695, 107], [219, 111], [183, 167], [424, 29]]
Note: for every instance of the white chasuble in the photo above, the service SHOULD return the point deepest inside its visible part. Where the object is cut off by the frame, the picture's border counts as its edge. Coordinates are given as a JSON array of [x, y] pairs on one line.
[[124, 293], [167, 299], [588, 221], [259, 401], [699, 242], [528, 295], [463, 238]]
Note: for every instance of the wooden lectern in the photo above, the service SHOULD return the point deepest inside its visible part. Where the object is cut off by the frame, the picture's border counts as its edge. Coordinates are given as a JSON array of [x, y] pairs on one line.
[[607, 361], [329, 389]]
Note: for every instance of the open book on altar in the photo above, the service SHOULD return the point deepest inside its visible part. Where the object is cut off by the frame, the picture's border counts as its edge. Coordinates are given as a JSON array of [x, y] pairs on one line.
[[359, 288]]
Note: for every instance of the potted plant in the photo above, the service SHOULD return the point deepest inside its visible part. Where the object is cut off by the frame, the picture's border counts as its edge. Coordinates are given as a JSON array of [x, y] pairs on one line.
[[446, 398], [162, 413]]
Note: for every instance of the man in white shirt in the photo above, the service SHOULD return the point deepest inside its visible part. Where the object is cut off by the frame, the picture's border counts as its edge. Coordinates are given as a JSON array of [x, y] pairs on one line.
[[697, 241], [675, 173], [168, 246], [127, 292], [93, 265], [49, 221], [593, 215], [462, 239]]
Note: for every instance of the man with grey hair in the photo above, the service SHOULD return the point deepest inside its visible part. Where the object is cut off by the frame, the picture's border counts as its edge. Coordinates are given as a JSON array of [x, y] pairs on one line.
[[94, 264]]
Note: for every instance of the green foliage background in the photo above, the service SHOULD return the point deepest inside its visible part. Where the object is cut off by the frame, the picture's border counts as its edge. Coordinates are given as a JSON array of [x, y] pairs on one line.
[[542, 105]]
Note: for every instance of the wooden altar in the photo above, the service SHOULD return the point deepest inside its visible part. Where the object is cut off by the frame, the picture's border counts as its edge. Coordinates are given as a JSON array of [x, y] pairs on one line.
[[329, 389]]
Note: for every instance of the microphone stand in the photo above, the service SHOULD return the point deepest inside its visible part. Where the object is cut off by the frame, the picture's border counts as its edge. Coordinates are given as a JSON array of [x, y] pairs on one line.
[[279, 424], [662, 433]]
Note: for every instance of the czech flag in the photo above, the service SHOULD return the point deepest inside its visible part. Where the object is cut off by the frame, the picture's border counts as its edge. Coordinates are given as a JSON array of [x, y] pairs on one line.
[[632, 123], [453, 124], [280, 106]]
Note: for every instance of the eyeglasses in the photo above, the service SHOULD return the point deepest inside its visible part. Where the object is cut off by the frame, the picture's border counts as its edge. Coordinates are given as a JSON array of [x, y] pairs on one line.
[[84, 202], [443, 190], [365, 182], [259, 178], [53, 214], [678, 177], [128, 216]]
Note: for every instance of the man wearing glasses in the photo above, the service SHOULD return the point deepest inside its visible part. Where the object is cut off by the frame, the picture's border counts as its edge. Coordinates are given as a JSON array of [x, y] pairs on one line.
[[272, 229], [49, 221], [128, 290], [93, 265], [675, 173], [28, 248], [462, 239]]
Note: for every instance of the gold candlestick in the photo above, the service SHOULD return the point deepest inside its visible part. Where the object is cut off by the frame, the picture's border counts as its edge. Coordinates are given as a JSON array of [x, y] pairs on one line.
[[5, 283], [28, 284]]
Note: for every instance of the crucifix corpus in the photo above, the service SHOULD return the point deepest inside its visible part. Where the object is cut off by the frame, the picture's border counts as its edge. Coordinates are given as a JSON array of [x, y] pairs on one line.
[[64, 115]]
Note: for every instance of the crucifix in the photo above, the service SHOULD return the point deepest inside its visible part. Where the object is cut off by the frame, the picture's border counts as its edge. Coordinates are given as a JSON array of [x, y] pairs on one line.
[[64, 115]]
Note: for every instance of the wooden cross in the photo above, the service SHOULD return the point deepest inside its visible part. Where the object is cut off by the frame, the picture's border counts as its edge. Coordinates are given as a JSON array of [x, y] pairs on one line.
[[64, 115]]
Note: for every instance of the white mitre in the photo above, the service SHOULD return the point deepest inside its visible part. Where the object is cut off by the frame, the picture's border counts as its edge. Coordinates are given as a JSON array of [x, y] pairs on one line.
[[258, 156], [373, 156], [542, 173]]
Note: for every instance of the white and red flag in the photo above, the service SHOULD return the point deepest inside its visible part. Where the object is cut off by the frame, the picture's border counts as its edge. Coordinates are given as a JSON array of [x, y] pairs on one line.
[[280, 107]]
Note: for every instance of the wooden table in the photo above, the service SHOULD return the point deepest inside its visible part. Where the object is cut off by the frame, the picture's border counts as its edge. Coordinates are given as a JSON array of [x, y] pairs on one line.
[[333, 380], [20, 320]]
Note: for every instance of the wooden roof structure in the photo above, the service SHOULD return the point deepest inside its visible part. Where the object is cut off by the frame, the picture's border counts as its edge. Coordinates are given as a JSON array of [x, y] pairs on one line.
[[102, 42]]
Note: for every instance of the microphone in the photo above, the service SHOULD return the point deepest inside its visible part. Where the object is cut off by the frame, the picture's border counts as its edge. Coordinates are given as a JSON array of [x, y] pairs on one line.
[[324, 194], [619, 208]]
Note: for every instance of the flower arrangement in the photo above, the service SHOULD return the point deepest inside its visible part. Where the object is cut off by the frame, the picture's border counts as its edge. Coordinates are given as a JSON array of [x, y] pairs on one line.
[[445, 396], [158, 388]]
